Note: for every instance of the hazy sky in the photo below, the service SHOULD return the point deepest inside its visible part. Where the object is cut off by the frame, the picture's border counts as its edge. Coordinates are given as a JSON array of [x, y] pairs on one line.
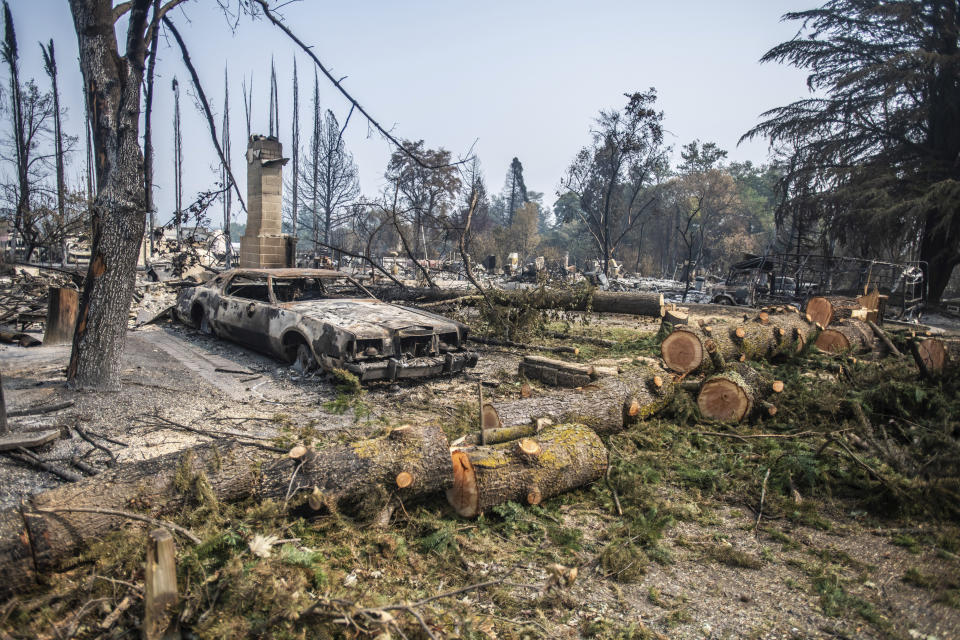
[[521, 79]]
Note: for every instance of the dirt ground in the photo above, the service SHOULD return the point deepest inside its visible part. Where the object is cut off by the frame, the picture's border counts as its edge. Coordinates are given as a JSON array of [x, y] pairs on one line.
[[834, 571]]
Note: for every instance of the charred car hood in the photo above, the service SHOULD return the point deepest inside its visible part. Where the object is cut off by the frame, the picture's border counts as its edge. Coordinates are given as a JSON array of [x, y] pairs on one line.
[[371, 318]]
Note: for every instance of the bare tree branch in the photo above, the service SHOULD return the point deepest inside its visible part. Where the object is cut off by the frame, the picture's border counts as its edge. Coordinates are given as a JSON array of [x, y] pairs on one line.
[[353, 101], [206, 107]]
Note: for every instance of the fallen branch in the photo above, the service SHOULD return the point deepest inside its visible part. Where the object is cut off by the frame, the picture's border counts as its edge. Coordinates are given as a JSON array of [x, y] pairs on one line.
[[35, 411], [127, 514]]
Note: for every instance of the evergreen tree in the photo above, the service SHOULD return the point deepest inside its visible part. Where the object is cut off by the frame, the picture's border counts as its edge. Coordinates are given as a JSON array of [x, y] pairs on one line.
[[877, 146]]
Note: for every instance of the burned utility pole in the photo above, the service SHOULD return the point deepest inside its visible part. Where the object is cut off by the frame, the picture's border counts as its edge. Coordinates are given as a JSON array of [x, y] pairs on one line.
[[296, 152], [177, 163], [50, 66], [225, 173], [147, 136]]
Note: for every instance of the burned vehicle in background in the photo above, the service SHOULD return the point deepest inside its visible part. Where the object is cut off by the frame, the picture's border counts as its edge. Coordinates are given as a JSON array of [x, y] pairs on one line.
[[325, 318], [794, 278]]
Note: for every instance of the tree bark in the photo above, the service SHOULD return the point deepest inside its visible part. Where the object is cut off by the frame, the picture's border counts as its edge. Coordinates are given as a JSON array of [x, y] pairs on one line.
[[527, 471], [355, 478], [766, 337], [608, 405], [112, 83]]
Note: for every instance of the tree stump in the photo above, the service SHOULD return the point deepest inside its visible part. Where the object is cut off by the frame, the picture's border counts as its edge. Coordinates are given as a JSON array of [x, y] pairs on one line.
[[527, 471], [62, 306], [935, 355]]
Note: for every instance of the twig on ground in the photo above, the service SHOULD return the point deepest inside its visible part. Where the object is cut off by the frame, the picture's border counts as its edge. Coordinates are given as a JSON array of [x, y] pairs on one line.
[[83, 434], [763, 496]]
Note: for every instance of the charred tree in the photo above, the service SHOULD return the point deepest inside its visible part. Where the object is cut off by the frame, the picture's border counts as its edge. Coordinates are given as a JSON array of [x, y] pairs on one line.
[[50, 66]]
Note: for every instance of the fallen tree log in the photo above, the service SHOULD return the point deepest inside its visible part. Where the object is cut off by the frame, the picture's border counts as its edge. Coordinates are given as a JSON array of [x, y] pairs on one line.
[[527, 471], [412, 462], [934, 356], [607, 405], [765, 337], [496, 342], [641, 303], [848, 336], [559, 373], [736, 394]]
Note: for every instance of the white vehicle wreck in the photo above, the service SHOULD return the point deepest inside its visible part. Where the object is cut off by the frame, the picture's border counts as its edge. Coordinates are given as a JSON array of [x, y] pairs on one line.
[[325, 318]]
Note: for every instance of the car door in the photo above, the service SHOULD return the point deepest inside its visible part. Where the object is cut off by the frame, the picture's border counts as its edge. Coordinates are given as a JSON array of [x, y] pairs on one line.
[[245, 308]]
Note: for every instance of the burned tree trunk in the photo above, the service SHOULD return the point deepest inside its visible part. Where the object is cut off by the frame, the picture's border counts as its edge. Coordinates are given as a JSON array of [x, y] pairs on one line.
[[849, 336], [528, 470], [765, 337], [61, 315], [736, 394], [51, 526], [112, 83]]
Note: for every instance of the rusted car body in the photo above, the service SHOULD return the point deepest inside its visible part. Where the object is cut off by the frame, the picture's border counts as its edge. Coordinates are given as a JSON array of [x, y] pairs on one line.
[[312, 317]]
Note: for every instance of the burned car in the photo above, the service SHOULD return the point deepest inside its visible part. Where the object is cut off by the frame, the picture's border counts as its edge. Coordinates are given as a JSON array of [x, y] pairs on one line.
[[325, 318]]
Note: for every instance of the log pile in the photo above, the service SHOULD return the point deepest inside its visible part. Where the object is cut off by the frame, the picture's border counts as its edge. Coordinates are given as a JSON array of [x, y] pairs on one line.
[[606, 405]]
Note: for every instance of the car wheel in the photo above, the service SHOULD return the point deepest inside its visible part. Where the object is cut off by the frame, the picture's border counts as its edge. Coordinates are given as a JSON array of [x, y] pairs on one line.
[[304, 360], [205, 326]]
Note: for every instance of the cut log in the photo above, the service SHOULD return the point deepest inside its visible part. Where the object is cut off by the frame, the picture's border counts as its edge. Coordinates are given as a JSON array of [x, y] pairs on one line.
[[675, 316], [527, 471], [62, 306], [935, 355], [782, 335], [607, 405], [736, 394], [848, 336], [348, 477], [557, 373], [830, 309]]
